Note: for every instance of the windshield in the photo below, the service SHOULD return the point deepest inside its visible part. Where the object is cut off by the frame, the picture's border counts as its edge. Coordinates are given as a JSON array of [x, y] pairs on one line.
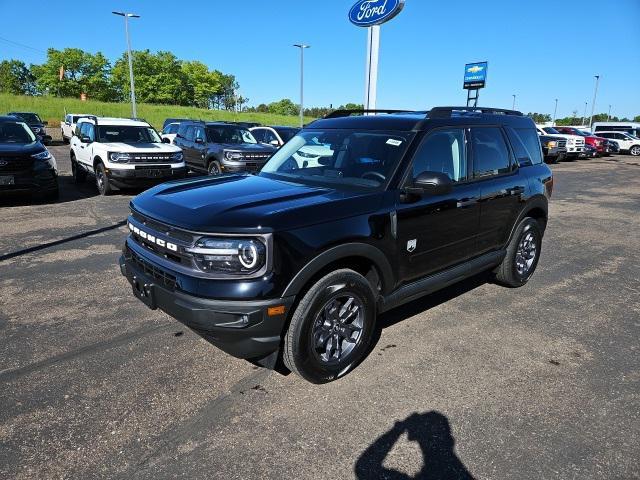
[[287, 134], [550, 130], [584, 133], [230, 134], [16, 132], [30, 118], [127, 134], [339, 157]]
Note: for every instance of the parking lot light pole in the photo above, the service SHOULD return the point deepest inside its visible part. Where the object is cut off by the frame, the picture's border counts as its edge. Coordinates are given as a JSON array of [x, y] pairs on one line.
[[593, 104], [584, 115], [127, 16], [301, 46], [555, 111], [609, 114], [513, 105]]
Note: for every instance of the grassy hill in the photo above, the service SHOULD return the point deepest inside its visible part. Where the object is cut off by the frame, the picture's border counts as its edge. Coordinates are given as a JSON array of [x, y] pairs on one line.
[[52, 109]]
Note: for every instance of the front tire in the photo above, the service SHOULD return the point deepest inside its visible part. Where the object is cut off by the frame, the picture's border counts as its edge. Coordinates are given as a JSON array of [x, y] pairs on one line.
[[523, 253], [331, 328], [635, 150], [214, 168], [102, 181], [78, 174]]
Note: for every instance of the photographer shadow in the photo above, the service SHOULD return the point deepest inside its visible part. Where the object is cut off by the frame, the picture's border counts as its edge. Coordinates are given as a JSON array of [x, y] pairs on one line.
[[432, 432]]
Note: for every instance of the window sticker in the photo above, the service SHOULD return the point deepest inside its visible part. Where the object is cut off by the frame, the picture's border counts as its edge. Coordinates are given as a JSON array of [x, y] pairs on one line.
[[394, 142]]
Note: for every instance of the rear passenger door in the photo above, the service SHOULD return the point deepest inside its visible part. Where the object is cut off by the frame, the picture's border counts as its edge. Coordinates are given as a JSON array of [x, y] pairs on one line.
[[186, 143], [502, 185], [199, 147]]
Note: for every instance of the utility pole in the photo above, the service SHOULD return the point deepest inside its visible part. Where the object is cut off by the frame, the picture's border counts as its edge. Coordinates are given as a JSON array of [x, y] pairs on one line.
[[609, 114], [513, 105], [301, 46], [584, 115], [593, 105], [555, 111], [127, 16]]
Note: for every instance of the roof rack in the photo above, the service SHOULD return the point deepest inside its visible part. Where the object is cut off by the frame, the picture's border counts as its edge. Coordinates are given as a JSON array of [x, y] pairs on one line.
[[447, 112], [348, 113]]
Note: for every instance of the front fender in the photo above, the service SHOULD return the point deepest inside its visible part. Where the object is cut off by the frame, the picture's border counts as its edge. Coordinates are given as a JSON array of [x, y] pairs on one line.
[[348, 250]]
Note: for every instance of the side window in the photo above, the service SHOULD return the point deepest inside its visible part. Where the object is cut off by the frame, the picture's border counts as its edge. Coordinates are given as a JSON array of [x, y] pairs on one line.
[[490, 152], [182, 130], [532, 144], [78, 130], [190, 133], [199, 133], [442, 151], [90, 131], [258, 134], [269, 137]]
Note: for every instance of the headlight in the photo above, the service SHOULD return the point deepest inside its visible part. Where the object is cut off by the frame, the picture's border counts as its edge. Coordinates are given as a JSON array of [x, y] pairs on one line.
[[176, 157], [233, 156], [44, 155], [552, 144], [119, 157], [234, 256]]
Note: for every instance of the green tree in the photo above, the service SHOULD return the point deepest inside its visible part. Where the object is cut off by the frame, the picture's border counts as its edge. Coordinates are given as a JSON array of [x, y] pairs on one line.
[[83, 73], [16, 78], [204, 83], [636, 118], [539, 117], [159, 78], [283, 107]]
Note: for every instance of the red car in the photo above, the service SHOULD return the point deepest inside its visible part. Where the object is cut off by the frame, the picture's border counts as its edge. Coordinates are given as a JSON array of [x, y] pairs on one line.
[[590, 139]]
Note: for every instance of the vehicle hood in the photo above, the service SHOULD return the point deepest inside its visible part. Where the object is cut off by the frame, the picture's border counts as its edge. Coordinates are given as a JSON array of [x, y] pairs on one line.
[[10, 149], [140, 147], [249, 147], [249, 203]]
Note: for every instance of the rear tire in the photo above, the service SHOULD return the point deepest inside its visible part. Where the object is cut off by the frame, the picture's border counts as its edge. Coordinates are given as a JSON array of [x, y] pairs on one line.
[[102, 181], [523, 253], [78, 174], [331, 328]]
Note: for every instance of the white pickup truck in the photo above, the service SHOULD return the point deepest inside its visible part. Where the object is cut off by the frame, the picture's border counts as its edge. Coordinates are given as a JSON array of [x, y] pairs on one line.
[[68, 125], [575, 143]]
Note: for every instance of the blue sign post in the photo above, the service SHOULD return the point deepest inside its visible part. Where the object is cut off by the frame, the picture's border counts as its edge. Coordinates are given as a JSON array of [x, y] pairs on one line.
[[475, 78], [371, 14]]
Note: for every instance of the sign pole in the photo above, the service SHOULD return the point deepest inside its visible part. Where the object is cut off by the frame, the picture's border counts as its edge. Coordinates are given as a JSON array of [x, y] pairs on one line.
[[371, 80]]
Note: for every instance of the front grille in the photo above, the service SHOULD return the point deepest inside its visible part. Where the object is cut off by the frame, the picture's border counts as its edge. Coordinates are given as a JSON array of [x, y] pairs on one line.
[[150, 158], [562, 143], [252, 167], [256, 156], [163, 278], [15, 164], [161, 228], [580, 141]]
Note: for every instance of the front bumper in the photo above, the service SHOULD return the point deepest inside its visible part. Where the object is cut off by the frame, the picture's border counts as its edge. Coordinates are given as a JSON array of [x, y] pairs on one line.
[[243, 329], [144, 175], [34, 181]]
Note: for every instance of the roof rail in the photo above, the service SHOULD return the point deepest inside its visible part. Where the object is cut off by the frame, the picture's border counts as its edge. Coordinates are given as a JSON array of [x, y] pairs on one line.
[[348, 113], [447, 112]]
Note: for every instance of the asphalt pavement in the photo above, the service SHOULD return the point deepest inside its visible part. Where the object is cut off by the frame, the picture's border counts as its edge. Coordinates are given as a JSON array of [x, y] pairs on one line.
[[476, 381]]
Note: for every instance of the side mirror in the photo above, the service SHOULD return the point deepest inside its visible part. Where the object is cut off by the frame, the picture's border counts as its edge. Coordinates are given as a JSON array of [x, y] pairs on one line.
[[45, 123], [165, 140], [431, 183], [85, 139], [274, 143], [199, 140]]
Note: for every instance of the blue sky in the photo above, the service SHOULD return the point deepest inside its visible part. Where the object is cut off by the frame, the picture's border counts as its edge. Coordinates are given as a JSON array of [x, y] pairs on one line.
[[538, 50]]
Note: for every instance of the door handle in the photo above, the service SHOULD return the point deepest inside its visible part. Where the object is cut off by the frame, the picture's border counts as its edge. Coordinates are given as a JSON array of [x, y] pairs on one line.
[[466, 202], [81, 146], [515, 190]]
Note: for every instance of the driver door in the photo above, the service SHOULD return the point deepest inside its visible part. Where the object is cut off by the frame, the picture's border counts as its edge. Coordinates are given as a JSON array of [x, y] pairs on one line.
[[438, 231]]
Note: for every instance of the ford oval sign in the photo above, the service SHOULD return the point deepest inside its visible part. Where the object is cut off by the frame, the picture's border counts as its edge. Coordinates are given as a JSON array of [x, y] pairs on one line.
[[366, 13]]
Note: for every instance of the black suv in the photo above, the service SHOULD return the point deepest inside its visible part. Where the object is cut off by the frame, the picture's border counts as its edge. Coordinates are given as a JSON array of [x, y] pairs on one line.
[[217, 147], [25, 164], [37, 125], [297, 261]]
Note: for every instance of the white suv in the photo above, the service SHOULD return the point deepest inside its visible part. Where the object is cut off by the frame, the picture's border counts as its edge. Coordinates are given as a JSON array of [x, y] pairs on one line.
[[628, 143], [122, 152], [575, 143]]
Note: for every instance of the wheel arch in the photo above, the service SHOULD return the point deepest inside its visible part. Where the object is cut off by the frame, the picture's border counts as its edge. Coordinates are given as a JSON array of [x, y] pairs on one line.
[[96, 161], [537, 208], [363, 258]]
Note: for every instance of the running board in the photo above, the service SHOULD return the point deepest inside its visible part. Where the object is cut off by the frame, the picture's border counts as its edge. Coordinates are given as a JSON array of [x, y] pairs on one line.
[[441, 280]]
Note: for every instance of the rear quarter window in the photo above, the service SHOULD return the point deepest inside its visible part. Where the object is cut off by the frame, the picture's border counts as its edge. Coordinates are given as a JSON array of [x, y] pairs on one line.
[[531, 141]]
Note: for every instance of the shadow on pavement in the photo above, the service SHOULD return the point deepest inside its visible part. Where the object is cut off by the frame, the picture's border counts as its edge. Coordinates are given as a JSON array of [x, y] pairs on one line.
[[432, 432]]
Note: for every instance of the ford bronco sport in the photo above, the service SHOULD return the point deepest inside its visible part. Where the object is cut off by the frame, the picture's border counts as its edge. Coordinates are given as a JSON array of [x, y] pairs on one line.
[[296, 261]]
